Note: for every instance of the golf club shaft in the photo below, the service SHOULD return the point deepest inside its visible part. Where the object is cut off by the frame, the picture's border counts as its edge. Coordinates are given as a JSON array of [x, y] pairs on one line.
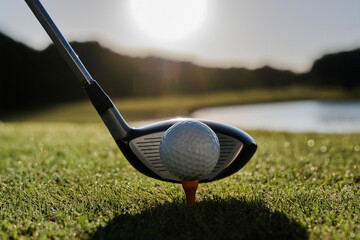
[[102, 103], [60, 42]]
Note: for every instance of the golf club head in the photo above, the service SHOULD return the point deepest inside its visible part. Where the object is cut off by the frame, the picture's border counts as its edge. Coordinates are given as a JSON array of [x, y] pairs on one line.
[[140, 146]]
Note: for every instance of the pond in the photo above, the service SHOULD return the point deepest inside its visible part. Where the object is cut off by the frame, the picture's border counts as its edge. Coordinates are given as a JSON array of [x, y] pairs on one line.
[[293, 116]]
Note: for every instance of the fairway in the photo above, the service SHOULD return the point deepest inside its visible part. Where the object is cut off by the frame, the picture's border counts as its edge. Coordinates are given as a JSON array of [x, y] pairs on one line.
[[66, 181]]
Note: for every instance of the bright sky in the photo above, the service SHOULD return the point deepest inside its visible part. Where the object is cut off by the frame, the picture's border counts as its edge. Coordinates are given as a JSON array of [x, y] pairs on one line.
[[285, 34]]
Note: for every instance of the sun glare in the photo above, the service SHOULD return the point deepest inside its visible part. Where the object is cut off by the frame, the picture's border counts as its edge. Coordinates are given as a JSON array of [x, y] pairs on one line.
[[168, 19]]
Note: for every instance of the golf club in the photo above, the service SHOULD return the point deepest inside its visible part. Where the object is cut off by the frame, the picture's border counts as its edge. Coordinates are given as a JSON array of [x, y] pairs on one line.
[[140, 146]]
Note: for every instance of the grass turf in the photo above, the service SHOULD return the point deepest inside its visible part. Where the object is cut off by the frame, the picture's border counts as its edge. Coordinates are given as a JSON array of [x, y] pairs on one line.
[[66, 181]]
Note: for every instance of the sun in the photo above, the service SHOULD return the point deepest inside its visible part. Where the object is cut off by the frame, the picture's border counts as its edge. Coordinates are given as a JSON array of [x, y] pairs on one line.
[[168, 19]]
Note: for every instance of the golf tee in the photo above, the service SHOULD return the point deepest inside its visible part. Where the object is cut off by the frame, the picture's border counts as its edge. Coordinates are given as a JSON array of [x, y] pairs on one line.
[[190, 188]]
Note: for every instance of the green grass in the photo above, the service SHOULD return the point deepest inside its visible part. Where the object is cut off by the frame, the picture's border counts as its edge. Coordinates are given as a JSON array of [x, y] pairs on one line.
[[134, 109], [70, 181]]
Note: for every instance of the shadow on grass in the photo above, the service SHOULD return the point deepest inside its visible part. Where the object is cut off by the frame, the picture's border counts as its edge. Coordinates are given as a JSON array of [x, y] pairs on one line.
[[209, 219]]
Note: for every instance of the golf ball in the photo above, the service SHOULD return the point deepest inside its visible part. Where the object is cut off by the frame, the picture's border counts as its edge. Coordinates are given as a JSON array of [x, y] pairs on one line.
[[189, 150]]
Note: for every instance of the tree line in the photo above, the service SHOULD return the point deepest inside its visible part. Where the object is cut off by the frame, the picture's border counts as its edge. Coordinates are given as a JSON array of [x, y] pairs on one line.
[[31, 78]]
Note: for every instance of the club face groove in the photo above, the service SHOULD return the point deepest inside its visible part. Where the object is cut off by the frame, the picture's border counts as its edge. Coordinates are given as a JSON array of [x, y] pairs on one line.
[[146, 149]]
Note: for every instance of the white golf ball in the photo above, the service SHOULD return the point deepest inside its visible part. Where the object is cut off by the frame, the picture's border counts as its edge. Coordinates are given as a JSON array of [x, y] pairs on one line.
[[189, 150]]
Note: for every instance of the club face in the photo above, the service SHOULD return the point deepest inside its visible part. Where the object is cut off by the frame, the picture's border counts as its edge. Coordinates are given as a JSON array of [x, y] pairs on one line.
[[141, 148]]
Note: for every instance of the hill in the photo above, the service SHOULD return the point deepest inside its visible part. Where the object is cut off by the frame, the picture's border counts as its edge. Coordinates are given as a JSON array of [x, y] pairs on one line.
[[337, 69]]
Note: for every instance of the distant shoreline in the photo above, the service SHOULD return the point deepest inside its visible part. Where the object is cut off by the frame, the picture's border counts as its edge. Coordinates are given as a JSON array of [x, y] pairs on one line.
[[139, 109]]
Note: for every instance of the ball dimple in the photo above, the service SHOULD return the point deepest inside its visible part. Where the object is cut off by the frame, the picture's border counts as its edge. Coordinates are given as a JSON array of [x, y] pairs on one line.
[[189, 149]]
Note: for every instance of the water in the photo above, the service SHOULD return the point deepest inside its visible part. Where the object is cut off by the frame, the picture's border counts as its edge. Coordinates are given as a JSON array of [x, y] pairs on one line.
[[296, 116]]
